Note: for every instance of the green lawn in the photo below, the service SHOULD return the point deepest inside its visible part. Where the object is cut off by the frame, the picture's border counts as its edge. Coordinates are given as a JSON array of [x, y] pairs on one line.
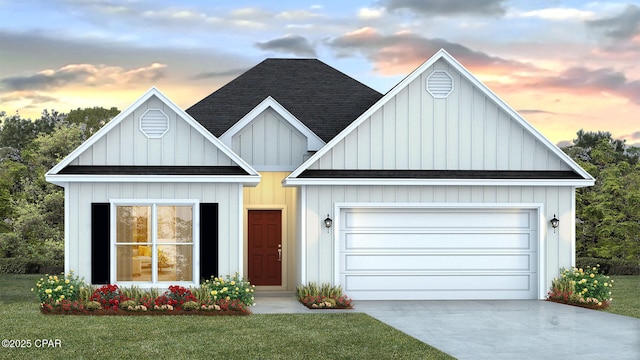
[[626, 295], [299, 336]]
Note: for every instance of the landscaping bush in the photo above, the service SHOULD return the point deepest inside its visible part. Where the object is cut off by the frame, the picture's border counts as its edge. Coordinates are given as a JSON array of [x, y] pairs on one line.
[[324, 296], [230, 288], [53, 289], [108, 296], [610, 266], [67, 294], [583, 288]]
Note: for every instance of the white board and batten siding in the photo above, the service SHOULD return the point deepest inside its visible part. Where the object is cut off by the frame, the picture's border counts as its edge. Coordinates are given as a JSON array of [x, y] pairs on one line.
[[270, 143], [466, 130], [553, 250], [81, 195], [414, 253], [126, 144]]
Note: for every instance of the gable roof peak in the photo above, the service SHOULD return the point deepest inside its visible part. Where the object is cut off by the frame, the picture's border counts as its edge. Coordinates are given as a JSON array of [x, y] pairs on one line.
[[323, 98]]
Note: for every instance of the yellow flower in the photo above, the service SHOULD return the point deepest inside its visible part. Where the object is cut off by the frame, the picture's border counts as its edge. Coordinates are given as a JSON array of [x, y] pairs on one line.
[[55, 278], [581, 271], [591, 275], [48, 291], [61, 297], [214, 292], [599, 304], [67, 281], [31, 289], [224, 289], [595, 281], [228, 298], [233, 283]]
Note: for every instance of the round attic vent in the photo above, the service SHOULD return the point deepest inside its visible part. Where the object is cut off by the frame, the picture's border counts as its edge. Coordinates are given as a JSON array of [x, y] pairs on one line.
[[439, 84], [154, 123]]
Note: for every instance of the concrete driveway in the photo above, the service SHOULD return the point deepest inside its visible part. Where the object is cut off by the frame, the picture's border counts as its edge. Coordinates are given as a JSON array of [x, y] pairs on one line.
[[520, 329], [511, 329]]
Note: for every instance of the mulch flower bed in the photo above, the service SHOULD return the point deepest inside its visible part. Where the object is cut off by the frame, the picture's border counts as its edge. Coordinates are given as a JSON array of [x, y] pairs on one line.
[[102, 312], [592, 306], [326, 303]]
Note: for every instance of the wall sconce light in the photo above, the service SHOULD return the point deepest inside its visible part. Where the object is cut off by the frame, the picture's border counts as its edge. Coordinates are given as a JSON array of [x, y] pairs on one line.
[[554, 223], [328, 222]]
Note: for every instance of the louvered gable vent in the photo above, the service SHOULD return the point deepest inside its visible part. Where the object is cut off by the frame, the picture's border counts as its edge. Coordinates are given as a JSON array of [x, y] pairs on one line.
[[439, 84], [154, 123]]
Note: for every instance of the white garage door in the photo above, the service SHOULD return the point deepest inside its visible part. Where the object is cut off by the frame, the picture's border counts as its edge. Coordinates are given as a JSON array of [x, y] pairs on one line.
[[438, 253]]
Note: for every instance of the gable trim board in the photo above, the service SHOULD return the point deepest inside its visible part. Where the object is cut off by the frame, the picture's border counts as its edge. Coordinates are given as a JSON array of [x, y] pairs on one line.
[[585, 179], [314, 142], [56, 174]]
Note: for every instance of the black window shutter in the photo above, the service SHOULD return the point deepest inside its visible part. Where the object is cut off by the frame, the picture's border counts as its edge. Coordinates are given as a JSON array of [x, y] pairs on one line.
[[100, 241], [208, 240]]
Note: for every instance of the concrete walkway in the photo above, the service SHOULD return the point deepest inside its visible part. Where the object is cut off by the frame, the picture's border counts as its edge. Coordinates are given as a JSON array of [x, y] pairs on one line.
[[497, 329]]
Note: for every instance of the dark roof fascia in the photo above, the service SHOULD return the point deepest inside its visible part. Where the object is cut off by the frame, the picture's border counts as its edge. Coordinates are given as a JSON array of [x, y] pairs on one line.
[[151, 170], [441, 174]]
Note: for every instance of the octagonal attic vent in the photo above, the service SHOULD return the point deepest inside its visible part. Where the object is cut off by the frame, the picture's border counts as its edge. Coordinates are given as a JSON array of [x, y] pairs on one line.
[[154, 123], [439, 84]]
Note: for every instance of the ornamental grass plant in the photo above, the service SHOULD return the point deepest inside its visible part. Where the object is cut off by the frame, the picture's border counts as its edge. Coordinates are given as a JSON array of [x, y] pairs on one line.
[[323, 296]]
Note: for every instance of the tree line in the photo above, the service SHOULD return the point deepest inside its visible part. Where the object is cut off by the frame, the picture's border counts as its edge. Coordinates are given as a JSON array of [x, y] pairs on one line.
[[32, 210]]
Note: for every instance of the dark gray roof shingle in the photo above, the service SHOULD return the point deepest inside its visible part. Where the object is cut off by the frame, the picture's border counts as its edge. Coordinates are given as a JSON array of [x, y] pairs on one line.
[[323, 98]]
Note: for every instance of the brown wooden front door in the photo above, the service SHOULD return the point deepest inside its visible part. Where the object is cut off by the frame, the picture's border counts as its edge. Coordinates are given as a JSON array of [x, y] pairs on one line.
[[265, 247]]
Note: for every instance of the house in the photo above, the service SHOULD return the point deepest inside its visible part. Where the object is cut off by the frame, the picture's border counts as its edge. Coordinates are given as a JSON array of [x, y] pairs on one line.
[[294, 172]]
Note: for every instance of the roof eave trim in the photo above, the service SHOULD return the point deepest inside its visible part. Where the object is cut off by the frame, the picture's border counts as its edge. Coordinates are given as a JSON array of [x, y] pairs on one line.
[[65, 179], [438, 182]]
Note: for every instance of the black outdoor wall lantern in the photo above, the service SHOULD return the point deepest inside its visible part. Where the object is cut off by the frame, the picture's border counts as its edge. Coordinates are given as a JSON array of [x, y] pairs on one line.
[[554, 223], [328, 222]]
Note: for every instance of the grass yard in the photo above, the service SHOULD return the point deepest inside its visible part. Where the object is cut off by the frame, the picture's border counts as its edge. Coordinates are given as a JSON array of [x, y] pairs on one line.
[[626, 295], [299, 336]]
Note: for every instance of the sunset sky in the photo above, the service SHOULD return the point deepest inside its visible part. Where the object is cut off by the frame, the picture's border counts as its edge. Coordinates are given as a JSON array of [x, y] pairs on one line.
[[563, 65]]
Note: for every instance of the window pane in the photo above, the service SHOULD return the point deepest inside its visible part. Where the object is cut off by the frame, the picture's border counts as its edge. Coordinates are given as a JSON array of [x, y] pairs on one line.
[[133, 263], [133, 224], [175, 263], [175, 224]]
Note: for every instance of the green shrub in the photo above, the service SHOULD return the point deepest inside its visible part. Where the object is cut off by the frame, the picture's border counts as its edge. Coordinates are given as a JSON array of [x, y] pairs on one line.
[[576, 286], [127, 303], [610, 266], [92, 305], [230, 288], [190, 306], [52, 289]]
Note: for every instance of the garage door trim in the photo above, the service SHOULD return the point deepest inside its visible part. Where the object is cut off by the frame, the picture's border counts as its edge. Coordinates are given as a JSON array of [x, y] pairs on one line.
[[538, 209]]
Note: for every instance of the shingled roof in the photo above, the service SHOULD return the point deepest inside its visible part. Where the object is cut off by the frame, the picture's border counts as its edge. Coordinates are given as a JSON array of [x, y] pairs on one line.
[[323, 98]]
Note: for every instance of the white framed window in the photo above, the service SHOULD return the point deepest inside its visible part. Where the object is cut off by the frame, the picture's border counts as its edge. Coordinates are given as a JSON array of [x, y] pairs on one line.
[[154, 243]]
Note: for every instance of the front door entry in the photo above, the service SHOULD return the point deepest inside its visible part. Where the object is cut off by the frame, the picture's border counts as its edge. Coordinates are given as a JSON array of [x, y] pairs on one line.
[[265, 247]]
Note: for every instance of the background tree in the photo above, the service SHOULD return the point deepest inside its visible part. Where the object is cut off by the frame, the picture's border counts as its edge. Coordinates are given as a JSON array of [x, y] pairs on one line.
[[608, 213], [31, 209]]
